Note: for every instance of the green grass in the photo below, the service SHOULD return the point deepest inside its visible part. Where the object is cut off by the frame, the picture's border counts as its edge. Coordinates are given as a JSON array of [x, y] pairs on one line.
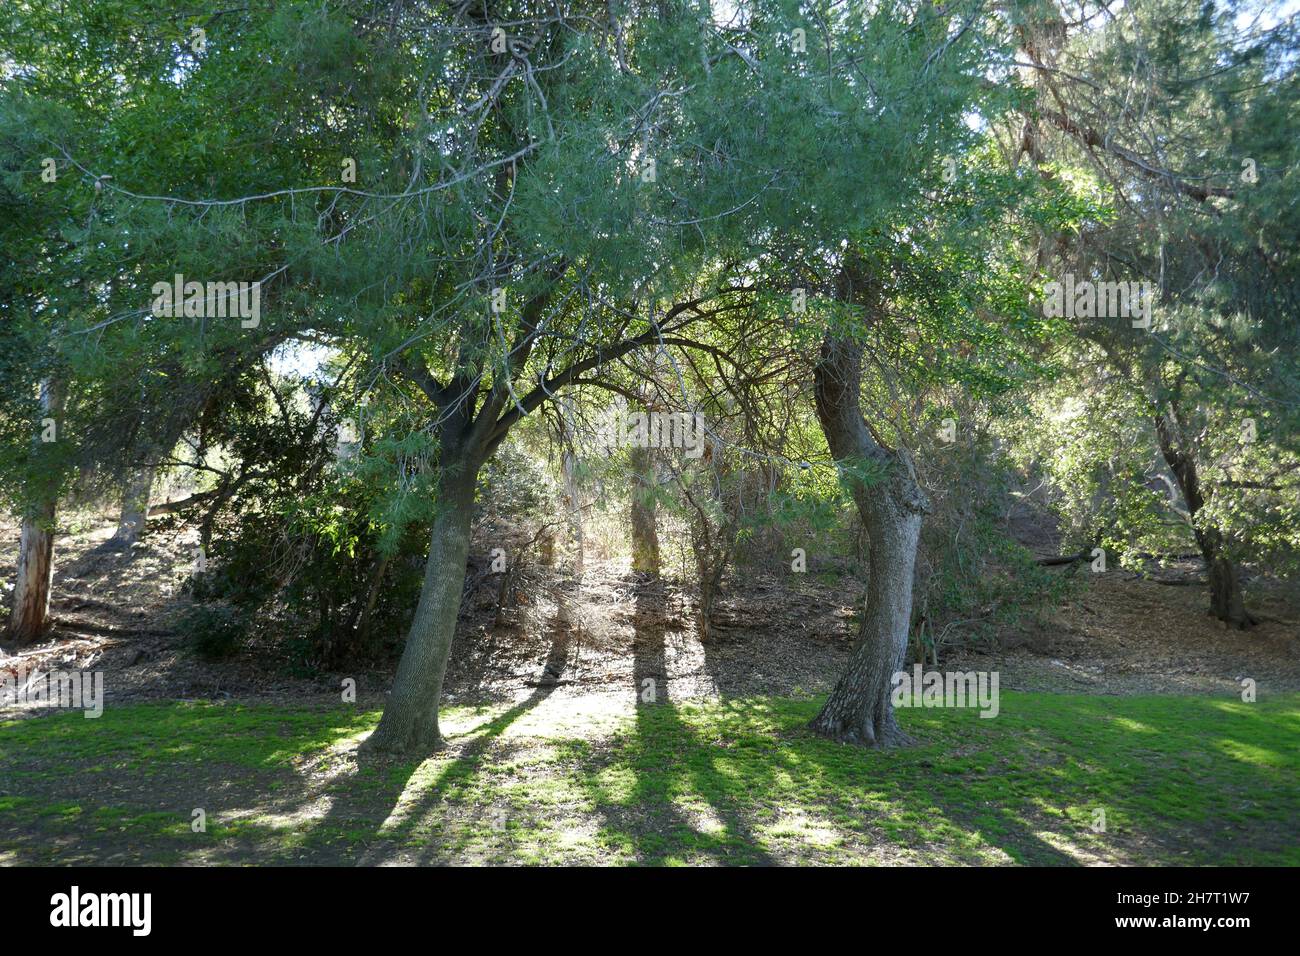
[[1181, 780]]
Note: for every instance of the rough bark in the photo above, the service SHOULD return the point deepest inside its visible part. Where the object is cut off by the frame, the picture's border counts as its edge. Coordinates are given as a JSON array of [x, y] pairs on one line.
[[859, 709], [645, 537], [410, 721], [1227, 602], [712, 555]]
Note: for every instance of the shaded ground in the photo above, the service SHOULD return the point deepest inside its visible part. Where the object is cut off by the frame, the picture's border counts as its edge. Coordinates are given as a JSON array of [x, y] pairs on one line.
[[1180, 780]]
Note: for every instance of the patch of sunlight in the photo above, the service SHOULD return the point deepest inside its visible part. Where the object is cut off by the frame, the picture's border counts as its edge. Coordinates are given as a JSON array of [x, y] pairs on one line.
[[276, 821], [1250, 753], [783, 778], [804, 828], [985, 853], [704, 819], [556, 716], [1231, 706], [1050, 807], [733, 769], [348, 742], [580, 834], [616, 784], [1083, 855], [1129, 723], [578, 716]]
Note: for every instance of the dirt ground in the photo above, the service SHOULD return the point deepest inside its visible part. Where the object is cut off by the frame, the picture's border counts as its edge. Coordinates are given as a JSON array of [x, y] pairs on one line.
[[783, 634]]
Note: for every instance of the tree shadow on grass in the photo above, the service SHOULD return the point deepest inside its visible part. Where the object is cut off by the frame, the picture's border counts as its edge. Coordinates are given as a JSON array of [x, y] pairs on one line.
[[367, 811], [694, 782], [816, 801], [1182, 780], [651, 822]]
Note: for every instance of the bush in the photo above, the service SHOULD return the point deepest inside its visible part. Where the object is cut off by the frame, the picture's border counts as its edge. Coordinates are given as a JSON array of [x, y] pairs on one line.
[[214, 630], [972, 578]]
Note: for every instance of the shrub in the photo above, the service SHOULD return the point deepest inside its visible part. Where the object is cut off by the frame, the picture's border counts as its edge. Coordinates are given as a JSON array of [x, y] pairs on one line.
[[214, 630]]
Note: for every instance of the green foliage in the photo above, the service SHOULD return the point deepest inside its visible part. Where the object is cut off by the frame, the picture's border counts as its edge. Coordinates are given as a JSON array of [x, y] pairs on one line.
[[973, 581], [1210, 218], [1097, 454], [214, 630]]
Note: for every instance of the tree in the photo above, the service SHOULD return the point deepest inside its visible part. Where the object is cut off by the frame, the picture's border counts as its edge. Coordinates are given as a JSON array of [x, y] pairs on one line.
[[29, 613], [892, 507], [1172, 111], [480, 205]]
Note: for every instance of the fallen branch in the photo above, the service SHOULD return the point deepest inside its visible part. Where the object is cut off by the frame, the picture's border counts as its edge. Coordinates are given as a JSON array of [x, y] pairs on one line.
[[171, 507], [1065, 559]]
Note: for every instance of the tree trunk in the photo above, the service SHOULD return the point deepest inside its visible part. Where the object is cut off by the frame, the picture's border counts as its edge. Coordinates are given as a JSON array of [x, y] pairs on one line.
[[859, 709], [29, 614], [372, 598], [35, 577], [135, 507], [645, 537], [711, 565], [409, 725], [576, 530], [1227, 603]]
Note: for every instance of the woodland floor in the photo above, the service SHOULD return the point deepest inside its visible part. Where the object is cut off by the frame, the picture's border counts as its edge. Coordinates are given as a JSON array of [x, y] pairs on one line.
[[1125, 698]]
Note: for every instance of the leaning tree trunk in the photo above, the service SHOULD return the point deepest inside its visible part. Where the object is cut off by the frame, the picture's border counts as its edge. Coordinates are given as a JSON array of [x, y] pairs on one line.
[[1227, 602], [135, 507], [410, 721], [645, 537], [859, 709], [29, 613]]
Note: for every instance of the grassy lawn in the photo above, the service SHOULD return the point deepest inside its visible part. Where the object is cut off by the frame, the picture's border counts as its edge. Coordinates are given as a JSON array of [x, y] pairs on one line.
[[1182, 780]]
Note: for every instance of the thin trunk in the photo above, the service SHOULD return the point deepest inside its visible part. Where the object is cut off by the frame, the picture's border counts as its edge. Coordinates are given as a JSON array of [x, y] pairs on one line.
[[645, 537], [859, 709], [135, 507], [372, 598], [711, 561], [29, 614], [1227, 602], [410, 721], [576, 530], [503, 592]]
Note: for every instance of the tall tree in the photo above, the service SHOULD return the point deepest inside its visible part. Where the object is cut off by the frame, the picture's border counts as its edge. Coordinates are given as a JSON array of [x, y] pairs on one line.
[[29, 612], [482, 203], [1173, 111]]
